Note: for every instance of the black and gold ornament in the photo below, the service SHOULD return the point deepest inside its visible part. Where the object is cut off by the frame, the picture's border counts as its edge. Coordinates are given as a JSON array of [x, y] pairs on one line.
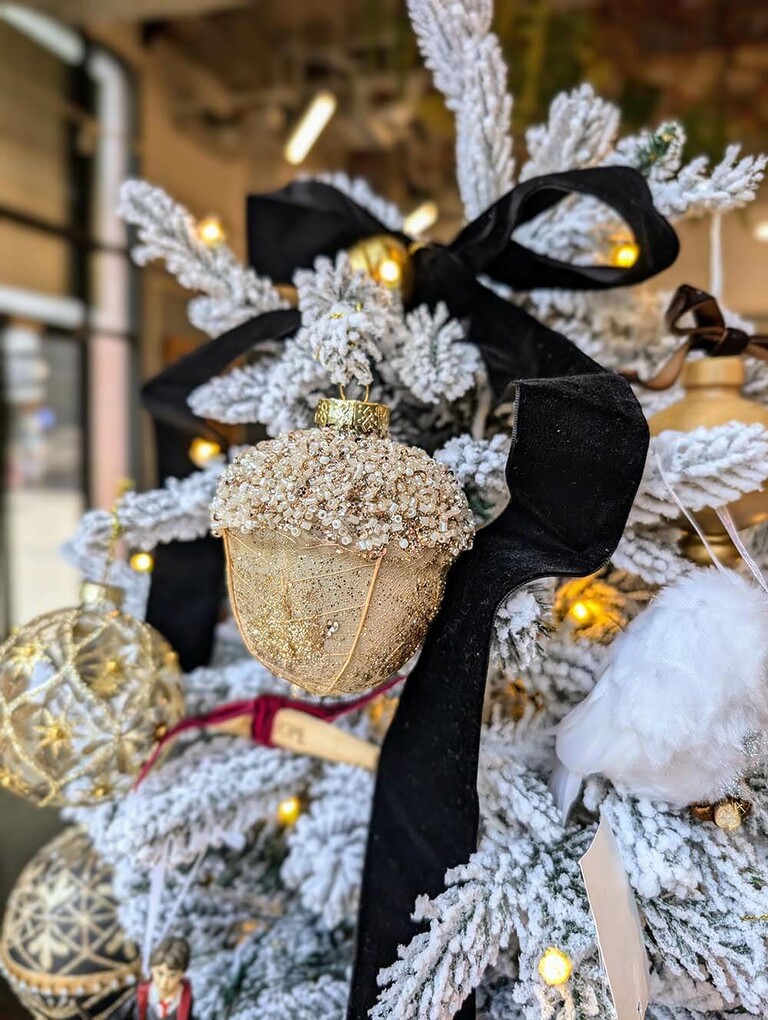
[[63, 951]]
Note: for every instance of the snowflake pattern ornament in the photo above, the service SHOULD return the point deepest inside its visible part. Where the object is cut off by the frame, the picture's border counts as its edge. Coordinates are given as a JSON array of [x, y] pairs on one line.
[[338, 541], [63, 951], [85, 693]]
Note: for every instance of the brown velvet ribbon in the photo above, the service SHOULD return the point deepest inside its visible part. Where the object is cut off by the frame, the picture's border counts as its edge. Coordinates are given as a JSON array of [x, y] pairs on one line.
[[709, 333]]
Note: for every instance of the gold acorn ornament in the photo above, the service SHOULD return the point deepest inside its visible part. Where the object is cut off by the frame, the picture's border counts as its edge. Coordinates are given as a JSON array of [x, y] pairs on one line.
[[62, 950], [338, 540], [85, 693]]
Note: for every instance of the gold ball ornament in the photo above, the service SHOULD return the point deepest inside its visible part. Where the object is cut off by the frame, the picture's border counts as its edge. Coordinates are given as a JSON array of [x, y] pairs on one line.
[[83, 694], [386, 259], [713, 397], [338, 540], [62, 949]]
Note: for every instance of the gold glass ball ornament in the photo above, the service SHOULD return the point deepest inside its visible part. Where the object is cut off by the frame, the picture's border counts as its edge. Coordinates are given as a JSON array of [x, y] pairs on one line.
[[338, 540], [386, 259], [62, 950], [713, 397], [84, 693]]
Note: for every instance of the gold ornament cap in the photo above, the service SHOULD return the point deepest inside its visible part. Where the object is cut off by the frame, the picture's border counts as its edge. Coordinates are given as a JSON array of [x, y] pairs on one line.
[[92, 593], [361, 416]]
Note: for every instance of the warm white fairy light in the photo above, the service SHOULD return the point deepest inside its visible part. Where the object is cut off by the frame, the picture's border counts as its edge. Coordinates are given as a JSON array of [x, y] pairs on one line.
[[210, 230]]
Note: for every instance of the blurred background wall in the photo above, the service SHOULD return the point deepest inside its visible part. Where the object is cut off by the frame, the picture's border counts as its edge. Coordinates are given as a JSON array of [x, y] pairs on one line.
[[200, 96]]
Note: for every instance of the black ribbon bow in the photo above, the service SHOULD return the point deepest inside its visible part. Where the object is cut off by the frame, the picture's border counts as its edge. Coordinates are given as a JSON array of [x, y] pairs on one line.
[[578, 450], [709, 333]]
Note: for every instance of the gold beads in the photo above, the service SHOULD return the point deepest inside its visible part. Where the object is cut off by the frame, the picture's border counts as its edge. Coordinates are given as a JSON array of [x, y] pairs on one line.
[[728, 815], [289, 811], [555, 967], [386, 259]]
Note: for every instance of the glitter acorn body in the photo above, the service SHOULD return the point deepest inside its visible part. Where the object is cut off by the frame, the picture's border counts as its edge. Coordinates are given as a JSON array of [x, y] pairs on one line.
[[338, 541]]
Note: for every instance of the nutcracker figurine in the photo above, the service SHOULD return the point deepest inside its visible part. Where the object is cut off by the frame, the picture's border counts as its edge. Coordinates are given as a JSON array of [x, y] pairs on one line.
[[167, 995]]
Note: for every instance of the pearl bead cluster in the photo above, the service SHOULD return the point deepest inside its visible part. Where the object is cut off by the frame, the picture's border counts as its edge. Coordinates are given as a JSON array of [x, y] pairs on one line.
[[360, 492]]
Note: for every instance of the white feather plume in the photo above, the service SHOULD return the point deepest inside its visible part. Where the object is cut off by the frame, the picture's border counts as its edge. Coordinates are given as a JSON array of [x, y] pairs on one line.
[[681, 701]]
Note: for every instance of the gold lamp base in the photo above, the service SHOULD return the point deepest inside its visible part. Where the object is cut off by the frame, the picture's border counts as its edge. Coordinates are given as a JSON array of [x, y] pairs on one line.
[[713, 397]]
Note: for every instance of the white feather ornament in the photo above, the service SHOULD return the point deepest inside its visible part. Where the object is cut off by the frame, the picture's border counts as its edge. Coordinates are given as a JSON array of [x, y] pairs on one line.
[[679, 711]]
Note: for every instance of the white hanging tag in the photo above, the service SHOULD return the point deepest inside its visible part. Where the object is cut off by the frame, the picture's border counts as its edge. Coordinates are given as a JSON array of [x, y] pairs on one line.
[[619, 929]]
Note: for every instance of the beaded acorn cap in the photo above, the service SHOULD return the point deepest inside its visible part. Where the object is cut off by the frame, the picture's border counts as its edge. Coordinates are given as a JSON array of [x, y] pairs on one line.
[[338, 541]]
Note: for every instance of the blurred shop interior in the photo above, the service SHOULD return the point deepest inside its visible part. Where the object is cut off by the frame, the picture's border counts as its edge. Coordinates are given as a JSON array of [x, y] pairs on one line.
[[200, 97]]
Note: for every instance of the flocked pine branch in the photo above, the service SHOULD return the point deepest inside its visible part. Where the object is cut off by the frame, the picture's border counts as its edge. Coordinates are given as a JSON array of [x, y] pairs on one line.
[[432, 360], [180, 511], [467, 65], [705, 467], [281, 391], [167, 231], [580, 132], [346, 318], [327, 845]]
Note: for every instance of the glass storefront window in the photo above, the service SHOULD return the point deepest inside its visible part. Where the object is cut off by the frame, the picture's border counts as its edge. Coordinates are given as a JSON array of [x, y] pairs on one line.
[[44, 466]]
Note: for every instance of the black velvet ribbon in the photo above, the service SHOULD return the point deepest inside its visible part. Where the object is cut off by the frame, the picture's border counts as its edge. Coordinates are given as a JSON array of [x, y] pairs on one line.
[[578, 450]]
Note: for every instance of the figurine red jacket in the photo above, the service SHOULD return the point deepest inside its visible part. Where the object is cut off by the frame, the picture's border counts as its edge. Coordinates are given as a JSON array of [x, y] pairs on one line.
[[145, 1011]]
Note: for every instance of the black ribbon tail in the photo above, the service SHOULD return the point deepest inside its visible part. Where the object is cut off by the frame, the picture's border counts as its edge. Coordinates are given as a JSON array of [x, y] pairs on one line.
[[577, 458], [188, 577]]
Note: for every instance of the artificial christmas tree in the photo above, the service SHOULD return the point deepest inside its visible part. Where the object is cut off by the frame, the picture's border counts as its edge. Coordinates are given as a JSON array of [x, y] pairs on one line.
[[256, 855]]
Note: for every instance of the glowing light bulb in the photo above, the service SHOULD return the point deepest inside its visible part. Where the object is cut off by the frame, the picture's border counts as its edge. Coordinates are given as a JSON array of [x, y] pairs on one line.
[[288, 810], [421, 218], [142, 562], [555, 967], [202, 451], [760, 231], [310, 127], [625, 254], [389, 272], [581, 612], [210, 231]]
